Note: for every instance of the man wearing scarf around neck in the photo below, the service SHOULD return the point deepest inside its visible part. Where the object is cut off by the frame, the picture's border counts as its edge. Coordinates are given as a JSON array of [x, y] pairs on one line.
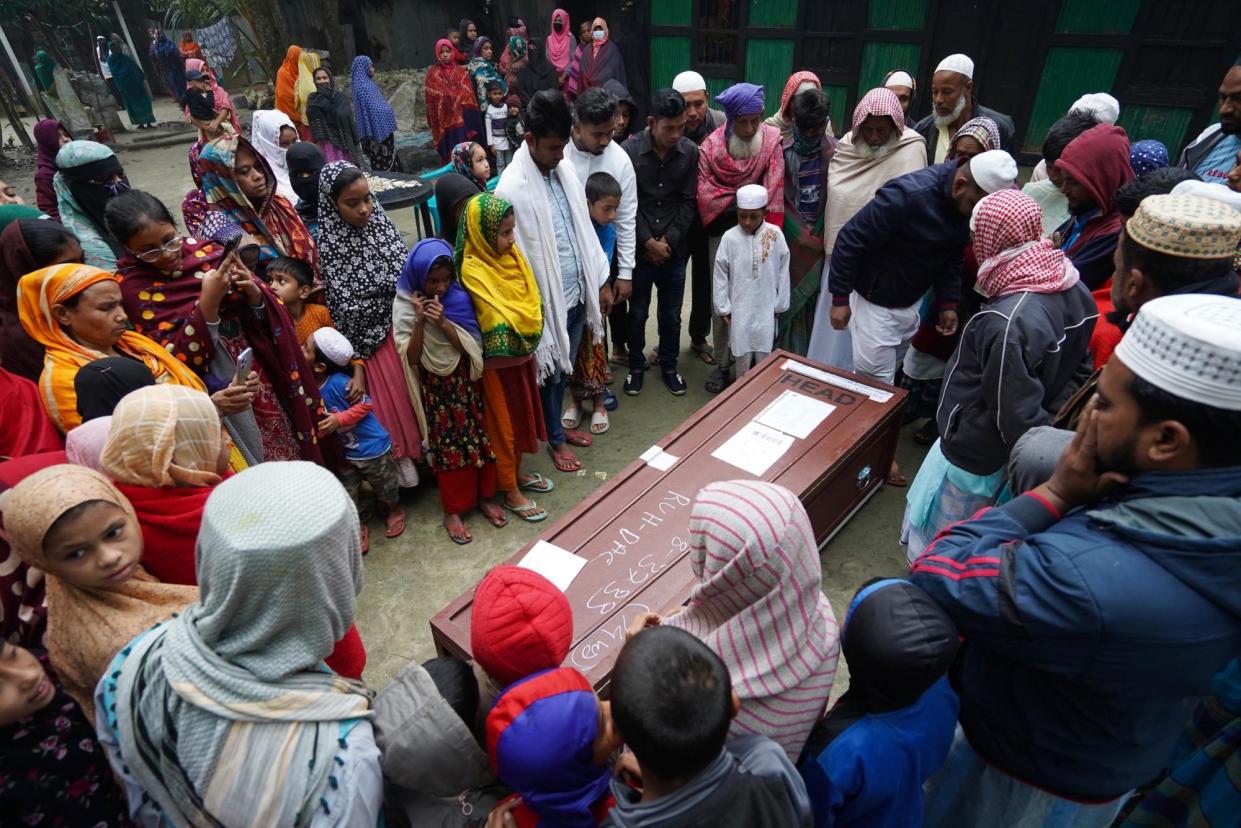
[[743, 151]]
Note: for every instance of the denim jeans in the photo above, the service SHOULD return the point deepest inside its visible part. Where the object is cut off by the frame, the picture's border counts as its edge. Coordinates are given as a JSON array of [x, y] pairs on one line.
[[669, 279], [552, 391]]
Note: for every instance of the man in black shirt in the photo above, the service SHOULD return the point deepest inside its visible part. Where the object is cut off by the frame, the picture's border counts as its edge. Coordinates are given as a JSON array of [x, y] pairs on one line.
[[700, 121], [665, 164]]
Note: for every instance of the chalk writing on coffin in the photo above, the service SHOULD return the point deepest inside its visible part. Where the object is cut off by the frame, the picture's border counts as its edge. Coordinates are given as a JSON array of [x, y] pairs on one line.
[[629, 562]]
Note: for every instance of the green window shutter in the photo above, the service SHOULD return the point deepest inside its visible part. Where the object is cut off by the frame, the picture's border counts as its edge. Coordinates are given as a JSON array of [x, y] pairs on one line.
[[669, 56], [773, 13], [769, 64], [1094, 17], [1168, 124], [879, 58], [895, 14], [671, 13], [840, 115], [1069, 72]]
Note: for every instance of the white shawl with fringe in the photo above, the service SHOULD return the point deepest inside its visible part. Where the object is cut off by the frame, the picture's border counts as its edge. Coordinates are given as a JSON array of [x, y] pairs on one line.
[[524, 186]]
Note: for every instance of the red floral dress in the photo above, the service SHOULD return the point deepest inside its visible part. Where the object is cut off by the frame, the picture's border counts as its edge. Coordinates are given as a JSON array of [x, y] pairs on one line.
[[456, 438]]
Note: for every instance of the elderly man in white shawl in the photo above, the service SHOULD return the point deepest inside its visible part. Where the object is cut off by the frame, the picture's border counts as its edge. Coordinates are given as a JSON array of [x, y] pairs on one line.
[[880, 147], [555, 233]]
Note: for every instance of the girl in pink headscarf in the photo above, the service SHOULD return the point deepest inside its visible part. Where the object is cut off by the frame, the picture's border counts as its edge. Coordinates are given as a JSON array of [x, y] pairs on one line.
[[222, 99], [560, 44]]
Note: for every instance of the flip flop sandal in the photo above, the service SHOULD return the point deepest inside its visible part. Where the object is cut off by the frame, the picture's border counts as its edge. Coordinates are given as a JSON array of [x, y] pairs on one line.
[[456, 536], [899, 482], [499, 520], [652, 358], [599, 422], [395, 531], [704, 353], [572, 417], [619, 360], [577, 438], [531, 513], [563, 464], [537, 483]]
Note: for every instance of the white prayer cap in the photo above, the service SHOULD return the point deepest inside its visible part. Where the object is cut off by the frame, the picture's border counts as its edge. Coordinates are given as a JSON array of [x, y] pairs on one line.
[[1188, 345], [899, 79], [1102, 106], [333, 345], [1215, 192], [689, 81], [993, 170], [959, 63], [752, 197]]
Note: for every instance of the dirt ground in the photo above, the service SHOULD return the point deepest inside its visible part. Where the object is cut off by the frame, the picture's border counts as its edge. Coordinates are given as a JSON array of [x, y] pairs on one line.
[[412, 577]]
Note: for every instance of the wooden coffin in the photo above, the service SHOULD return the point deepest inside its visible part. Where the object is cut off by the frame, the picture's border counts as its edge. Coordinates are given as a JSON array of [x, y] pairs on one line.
[[633, 531]]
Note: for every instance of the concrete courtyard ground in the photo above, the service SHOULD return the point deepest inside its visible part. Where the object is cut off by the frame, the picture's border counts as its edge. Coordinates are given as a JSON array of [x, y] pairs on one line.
[[409, 579]]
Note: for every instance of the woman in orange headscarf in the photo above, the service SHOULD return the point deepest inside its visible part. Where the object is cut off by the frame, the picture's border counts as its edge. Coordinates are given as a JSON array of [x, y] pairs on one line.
[[75, 312], [286, 90], [190, 47]]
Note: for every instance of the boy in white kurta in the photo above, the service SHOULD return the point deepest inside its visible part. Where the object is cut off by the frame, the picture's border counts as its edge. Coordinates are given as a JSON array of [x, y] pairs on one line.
[[751, 282]]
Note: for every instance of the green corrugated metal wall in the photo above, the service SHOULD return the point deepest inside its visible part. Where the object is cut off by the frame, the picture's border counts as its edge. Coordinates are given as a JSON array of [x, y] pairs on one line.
[[768, 63], [1095, 17], [1163, 123], [1067, 73], [772, 12], [879, 58], [669, 57], [671, 13], [717, 85], [895, 14], [840, 116]]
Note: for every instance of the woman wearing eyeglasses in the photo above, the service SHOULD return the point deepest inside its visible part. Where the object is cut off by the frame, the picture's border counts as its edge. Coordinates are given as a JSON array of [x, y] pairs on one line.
[[206, 308]]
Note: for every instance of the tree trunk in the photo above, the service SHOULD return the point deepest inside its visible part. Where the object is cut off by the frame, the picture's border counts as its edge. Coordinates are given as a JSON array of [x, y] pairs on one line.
[[330, 9], [271, 31]]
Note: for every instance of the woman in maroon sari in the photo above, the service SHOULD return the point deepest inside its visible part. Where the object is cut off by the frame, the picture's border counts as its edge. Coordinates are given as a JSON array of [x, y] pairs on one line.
[[175, 292]]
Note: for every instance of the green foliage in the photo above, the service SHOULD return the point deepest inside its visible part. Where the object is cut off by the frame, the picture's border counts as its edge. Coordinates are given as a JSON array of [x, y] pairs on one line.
[[57, 13]]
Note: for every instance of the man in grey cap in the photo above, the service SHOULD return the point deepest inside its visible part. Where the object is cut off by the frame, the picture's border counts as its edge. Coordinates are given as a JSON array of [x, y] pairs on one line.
[[1095, 605]]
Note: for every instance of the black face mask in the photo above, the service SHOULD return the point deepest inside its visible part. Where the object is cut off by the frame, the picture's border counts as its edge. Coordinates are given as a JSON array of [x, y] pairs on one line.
[[558, 26]]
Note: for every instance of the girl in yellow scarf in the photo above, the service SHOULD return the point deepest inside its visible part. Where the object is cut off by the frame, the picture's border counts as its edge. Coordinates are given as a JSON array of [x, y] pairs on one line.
[[75, 312], [509, 309]]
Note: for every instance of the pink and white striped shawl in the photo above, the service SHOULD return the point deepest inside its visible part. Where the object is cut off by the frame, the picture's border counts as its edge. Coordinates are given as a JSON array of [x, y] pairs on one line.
[[760, 605]]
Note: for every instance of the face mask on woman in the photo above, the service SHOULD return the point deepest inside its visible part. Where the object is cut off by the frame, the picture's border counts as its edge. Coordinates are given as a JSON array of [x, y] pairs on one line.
[[558, 25], [597, 34]]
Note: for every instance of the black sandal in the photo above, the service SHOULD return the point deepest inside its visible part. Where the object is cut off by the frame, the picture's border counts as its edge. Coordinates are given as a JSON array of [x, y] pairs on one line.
[[718, 382]]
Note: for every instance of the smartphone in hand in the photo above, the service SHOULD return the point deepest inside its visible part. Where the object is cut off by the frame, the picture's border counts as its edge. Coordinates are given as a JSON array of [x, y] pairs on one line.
[[245, 361]]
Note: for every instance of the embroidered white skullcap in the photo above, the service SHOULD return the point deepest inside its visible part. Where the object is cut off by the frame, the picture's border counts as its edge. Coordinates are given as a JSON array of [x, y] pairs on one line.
[[333, 345], [1103, 107], [689, 81], [752, 197], [993, 170], [899, 79], [1188, 345], [959, 63]]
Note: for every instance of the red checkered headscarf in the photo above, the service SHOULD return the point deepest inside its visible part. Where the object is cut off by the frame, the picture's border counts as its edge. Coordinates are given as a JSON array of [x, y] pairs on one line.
[[1008, 242], [879, 101]]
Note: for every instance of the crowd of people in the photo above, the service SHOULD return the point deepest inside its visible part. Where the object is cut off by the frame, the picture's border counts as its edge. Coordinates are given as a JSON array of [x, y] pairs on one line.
[[191, 402]]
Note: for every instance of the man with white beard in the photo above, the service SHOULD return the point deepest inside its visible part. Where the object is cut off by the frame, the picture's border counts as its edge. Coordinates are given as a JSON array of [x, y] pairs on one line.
[[743, 151], [879, 148], [953, 102]]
